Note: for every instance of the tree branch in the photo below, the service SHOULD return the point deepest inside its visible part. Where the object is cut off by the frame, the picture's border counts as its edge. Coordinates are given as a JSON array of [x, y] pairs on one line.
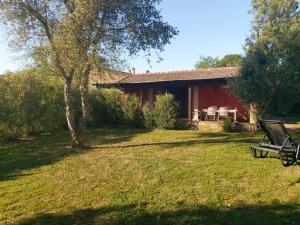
[[49, 35], [41, 19], [69, 5]]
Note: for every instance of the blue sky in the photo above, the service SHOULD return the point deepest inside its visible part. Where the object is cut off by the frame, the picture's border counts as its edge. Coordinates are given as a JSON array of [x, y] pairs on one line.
[[207, 27]]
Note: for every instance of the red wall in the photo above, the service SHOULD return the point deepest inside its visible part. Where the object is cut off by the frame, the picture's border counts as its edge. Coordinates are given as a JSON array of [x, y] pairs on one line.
[[209, 94], [217, 95]]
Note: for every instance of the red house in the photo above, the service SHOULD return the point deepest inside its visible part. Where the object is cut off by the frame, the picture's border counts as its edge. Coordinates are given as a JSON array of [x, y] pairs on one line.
[[196, 90]]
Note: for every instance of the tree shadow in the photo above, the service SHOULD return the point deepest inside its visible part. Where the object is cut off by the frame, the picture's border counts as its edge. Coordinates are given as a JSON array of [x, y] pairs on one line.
[[203, 138], [275, 214], [18, 158], [112, 136]]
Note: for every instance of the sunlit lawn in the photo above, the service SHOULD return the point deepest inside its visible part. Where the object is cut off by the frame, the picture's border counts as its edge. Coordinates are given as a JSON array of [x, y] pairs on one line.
[[143, 177]]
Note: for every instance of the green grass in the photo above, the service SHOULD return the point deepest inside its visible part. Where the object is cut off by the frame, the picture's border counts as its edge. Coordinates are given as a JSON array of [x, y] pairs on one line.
[[143, 177]]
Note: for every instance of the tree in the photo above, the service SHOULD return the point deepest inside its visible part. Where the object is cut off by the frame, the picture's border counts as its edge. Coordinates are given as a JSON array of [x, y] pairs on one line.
[[206, 62], [72, 37], [230, 60], [270, 71]]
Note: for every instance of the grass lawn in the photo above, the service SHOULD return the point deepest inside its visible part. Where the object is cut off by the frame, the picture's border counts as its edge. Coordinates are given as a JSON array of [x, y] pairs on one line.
[[143, 177]]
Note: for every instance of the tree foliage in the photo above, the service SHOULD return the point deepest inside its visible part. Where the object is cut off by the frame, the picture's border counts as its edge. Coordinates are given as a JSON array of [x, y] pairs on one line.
[[111, 107], [72, 37], [30, 104], [230, 60], [271, 69], [206, 62]]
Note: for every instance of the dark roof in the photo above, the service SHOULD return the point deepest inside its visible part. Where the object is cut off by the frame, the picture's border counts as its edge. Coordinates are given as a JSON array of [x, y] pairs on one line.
[[107, 77], [200, 74], [118, 78]]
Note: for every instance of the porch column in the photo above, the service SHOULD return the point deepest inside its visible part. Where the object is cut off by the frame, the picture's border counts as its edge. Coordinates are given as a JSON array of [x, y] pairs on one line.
[[150, 95], [190, 103], [195, 103]]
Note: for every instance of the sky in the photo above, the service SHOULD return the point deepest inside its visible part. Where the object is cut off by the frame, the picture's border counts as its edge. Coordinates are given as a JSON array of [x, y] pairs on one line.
[[206, 27]]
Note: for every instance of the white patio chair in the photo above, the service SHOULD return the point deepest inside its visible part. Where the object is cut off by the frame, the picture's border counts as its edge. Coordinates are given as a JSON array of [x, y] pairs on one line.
[[211, 111], [196, 115], [223, 112]]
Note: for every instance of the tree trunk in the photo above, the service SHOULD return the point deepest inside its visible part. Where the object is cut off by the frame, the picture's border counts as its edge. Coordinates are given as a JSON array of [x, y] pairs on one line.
[[75, 135], [253, 117], [84, 88]]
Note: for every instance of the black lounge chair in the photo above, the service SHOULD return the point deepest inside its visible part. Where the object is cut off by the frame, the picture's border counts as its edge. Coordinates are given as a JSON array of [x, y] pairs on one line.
[[280, 142]]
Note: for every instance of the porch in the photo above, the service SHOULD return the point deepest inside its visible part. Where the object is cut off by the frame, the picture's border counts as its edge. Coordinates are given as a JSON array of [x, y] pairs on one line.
[[194, 98]]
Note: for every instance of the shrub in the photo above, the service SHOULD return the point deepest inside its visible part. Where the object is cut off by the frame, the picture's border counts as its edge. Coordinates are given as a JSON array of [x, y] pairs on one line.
[[112, 108], [113, 102], [3, 136], [227, 125], [30, 103], [8, 134], [131, 112], [98, 108], [148, 116], [165, 111]]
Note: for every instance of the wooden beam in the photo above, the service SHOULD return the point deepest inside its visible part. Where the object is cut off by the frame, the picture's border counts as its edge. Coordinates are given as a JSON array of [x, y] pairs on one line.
[[195, 103], [190, 103], [150, 95], [196, 97]]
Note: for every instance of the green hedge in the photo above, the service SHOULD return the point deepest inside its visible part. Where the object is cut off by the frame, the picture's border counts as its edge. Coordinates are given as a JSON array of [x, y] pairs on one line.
[[29, 104], [148, 116], [163, 114], [110, 107]]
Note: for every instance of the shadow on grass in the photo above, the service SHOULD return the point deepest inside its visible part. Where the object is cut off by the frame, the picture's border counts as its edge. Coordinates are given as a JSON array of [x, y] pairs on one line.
[[276, 214], [44, 150], [204, 138]]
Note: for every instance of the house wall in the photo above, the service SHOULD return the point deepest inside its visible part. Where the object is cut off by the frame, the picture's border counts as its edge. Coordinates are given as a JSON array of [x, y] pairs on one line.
[[218, 95]]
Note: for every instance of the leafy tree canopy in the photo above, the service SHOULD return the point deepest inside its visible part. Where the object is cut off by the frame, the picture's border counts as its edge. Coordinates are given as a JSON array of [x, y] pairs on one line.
[[270, 73], [207, 62], [230, 60]]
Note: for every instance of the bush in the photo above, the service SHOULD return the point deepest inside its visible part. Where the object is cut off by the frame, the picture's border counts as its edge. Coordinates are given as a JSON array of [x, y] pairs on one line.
[[113, 102], [8, 134], [227, 125], [165, 111], [148, 116], [29, 104], [131, 113], [110, 107], [98, 108]]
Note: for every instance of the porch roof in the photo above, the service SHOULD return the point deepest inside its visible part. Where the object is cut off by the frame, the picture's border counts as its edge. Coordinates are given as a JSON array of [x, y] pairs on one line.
[[185, 75], [200, 74]]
